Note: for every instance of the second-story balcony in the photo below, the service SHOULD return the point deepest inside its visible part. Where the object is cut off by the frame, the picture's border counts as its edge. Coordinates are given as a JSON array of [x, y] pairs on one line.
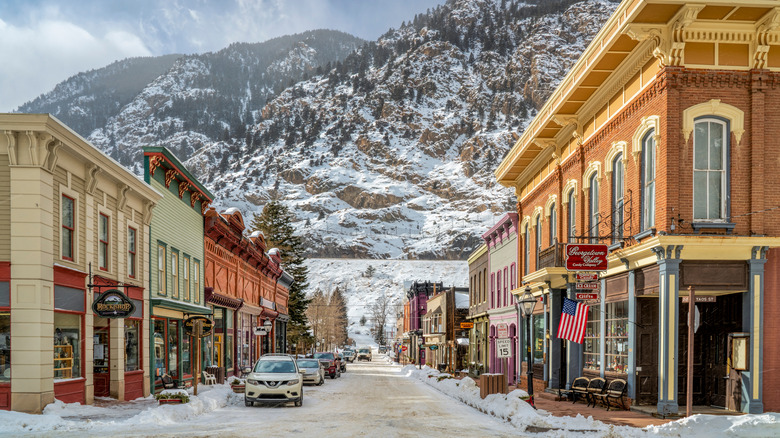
[[552, 257]]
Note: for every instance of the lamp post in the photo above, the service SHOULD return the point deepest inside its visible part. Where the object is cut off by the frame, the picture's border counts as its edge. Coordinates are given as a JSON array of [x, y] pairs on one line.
[[267, 328], [528, 302]]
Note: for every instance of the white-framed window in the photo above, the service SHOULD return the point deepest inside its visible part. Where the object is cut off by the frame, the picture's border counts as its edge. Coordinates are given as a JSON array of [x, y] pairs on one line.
[[196, 280], [174, 274], [572, 219], [132, 236], [527, 258], [618, 177], [161, 271], [553, 224], [538, 239], [186, 273], [648, 180], [68, 232], [710, 169], [104, 233], [594, 209]]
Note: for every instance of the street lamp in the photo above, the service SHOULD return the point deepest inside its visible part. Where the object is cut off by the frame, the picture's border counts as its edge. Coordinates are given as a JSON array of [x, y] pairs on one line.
[[528, 302]]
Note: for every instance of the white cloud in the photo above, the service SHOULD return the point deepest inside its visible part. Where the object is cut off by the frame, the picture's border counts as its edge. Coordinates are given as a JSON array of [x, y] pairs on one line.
[[37, 57]]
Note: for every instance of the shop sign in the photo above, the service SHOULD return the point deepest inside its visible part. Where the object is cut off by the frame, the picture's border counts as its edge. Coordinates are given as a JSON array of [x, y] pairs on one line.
[[503, 348], [191, 322], [586, 296], [588, 286], [502, 330], [582, 257], [699, 299], [404, 348], [433, 347], [586, 276], [466, 325], [113, 304]]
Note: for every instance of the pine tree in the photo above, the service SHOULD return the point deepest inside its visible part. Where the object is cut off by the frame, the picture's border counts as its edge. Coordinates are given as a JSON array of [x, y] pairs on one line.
[[275, 222]]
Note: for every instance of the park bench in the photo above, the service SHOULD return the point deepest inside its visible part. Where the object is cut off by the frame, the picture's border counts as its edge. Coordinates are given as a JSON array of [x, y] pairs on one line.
[[579, 388], [595, 386], [616, 390]]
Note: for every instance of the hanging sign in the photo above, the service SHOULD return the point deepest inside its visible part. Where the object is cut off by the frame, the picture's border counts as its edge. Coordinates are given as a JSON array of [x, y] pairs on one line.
[[586, 296], [466, 325], [206, 325], [404, 348], [113, 304], [586, 257], [588, 286], [586, 276], [433, 347]]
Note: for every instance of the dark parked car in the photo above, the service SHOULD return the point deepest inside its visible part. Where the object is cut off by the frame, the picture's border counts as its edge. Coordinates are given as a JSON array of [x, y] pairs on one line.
[[343, 362], [330, 362], [349, 355]]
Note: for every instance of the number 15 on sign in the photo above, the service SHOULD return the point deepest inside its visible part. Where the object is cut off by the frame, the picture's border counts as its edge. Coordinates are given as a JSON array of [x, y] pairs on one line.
[[503, 347]]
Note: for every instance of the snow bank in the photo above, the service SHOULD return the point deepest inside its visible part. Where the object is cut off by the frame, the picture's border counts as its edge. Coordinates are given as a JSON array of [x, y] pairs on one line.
[[743, 426]]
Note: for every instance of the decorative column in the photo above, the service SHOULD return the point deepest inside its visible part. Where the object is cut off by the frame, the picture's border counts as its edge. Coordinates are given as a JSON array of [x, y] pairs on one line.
[[602, 326], [556, 345], [753, 322], [668, 316], [32, 155], [631, 378]]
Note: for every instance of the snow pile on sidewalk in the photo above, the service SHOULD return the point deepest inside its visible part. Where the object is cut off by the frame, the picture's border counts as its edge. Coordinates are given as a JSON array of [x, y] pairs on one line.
[[512, 408], [60, 416]]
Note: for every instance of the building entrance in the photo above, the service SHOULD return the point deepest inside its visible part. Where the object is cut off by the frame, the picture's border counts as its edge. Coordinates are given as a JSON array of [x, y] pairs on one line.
[[101, 355]]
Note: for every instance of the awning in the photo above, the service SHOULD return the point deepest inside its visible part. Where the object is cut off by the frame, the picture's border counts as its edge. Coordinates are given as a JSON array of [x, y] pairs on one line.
[[268, 313], [462, 341], [181, 306], [250, 309], [222, 300]]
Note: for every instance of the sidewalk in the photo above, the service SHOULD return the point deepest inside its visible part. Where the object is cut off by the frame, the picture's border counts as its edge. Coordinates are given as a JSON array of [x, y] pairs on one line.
[[546, 401]]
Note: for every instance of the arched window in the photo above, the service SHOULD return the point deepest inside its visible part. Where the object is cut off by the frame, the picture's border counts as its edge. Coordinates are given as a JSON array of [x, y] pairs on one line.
[[594, 209], [553, 225], [648, 181], [572, 219], [617, 198], [527, 257], [710, 169], [538, 239]]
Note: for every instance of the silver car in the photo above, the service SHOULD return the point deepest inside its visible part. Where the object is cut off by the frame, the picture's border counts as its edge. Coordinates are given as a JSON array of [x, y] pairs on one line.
[[274, 379], [312, 370]]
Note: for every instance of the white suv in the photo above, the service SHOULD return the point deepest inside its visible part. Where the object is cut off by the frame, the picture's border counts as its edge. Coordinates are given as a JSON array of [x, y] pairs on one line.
[[276, 379]]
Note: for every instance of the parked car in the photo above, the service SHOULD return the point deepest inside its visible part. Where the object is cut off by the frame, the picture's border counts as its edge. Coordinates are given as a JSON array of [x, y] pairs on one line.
[[274, 379], [313, 371], [349, 355], [364, 354], [342, 363], [330, 362], [382, 349]]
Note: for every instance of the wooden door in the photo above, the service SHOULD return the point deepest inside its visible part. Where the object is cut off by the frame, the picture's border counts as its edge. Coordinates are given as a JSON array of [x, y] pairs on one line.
[[101, 361], [647, 351]]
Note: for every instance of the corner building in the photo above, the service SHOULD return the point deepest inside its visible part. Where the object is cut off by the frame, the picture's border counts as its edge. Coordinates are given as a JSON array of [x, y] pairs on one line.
[[659, 143], [68, 210]]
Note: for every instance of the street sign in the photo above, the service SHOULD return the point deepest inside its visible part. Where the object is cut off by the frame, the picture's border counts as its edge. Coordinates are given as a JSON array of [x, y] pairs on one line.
[[502, 330], [586, 276], [588, 286], [503, 347], [586, 257], [699, 299], [433, 347], [466, 325], [586, 296]]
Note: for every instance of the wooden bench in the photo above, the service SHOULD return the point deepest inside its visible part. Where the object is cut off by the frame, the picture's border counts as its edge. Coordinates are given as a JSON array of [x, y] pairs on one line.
[[616, 390]]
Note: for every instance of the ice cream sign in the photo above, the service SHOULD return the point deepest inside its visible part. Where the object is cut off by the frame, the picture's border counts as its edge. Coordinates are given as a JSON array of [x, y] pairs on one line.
[[586, 257]]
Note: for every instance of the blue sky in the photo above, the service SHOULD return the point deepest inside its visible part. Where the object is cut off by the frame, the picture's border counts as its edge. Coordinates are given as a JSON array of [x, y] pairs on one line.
[[43, 42]]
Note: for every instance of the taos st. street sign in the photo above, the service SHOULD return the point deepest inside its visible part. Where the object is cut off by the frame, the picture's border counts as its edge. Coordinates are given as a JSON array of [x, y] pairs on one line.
[[466, 325], [588, 286], [699, 299], [586, 296], [586, 257], [586, 276]]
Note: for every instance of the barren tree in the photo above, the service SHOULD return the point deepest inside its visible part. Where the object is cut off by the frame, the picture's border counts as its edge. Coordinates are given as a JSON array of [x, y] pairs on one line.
[[379, 313]]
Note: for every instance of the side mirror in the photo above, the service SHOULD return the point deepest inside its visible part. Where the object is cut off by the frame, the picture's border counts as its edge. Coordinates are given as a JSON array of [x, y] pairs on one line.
[[247, 370]]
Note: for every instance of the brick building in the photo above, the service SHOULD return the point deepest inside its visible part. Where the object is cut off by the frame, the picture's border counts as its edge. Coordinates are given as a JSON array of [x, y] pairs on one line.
[[659, 143]]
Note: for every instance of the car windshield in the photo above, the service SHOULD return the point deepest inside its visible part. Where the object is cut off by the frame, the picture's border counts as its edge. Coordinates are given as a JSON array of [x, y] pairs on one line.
[[364, 350], [275, 366], [308, 364], [323, 356]]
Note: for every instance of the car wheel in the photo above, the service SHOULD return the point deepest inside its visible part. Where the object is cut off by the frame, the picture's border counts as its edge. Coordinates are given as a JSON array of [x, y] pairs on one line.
[[322, 380], [299, 402], [248, 403]]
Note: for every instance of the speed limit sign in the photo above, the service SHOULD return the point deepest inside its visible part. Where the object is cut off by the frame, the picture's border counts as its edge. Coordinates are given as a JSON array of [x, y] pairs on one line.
[[503, 347]]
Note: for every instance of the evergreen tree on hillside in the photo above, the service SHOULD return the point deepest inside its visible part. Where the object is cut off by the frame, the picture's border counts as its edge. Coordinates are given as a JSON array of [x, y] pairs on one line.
[[275, 222]]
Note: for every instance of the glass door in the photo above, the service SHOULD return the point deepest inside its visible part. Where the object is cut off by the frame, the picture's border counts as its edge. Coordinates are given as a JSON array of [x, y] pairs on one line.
[[101, 357]]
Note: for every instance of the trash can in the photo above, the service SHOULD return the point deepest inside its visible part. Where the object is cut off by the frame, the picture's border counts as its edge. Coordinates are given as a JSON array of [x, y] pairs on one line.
[[218, 372]]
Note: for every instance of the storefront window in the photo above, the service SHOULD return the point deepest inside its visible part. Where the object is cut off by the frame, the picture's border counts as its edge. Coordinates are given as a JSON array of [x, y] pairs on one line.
[[132, 335], [538, 338], [591, 342], [219, 336], [5, 346], [159, 348], [617, 337], [229, 339], [173, 349], [67, 354], [186, 367]]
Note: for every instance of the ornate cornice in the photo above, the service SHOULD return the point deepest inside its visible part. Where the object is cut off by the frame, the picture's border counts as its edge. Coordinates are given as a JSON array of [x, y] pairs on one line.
[[170, 174]]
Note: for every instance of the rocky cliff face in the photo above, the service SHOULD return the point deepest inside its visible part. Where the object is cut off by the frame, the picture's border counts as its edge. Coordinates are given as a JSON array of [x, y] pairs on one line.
[[387, 152]]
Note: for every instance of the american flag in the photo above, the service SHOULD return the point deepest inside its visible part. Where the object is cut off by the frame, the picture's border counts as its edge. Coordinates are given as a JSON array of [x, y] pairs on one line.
[[573, 320]]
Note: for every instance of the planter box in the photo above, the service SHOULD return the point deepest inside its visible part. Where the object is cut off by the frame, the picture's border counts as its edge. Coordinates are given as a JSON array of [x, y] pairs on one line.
[[170, 401], [238, 389]]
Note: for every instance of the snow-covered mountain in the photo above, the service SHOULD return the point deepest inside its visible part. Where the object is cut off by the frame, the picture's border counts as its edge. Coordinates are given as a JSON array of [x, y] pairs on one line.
[[390, 278], [386, 152]]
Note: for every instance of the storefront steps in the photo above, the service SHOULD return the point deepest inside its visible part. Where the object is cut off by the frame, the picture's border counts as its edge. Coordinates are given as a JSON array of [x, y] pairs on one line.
[[708, 410]]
